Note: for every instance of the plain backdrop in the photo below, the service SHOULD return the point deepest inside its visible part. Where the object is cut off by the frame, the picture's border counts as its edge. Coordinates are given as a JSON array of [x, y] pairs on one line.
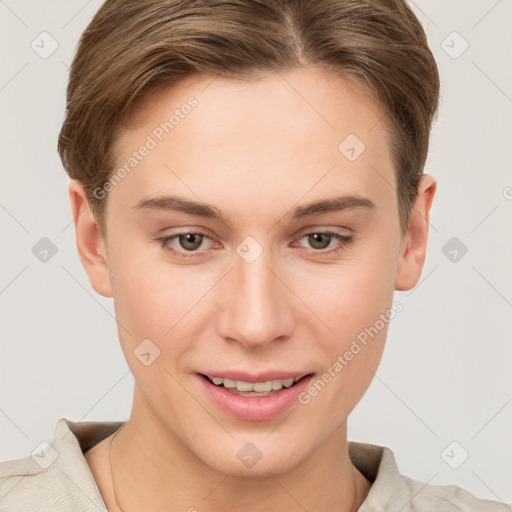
[[444, 386]]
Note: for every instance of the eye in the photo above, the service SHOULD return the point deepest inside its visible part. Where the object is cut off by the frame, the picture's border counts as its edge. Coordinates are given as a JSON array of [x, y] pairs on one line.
[[320, 240], [189, 242]]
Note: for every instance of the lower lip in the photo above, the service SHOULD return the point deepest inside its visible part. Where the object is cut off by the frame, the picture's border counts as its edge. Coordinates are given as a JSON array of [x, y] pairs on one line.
[[255, 408]]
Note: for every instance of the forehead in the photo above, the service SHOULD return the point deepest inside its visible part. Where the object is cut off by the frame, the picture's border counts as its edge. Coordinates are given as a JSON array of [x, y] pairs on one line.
[[295, 132], [321, 98]]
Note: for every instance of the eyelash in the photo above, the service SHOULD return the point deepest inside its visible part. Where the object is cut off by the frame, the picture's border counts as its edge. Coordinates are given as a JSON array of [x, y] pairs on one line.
[[343, 239]]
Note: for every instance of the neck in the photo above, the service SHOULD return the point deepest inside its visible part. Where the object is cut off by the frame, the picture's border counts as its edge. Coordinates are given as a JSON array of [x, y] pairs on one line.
[[152, 468]]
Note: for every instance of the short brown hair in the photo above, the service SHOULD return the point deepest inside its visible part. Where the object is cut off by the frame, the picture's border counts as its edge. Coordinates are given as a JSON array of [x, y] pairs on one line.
[[132, 46]]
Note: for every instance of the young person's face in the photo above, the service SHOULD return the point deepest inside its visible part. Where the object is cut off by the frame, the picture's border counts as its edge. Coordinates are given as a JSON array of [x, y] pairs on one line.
[[255, 296]]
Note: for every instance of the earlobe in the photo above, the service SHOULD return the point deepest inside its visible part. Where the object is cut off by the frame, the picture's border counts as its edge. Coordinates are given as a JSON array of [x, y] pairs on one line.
[[414, 242], [89, 241]]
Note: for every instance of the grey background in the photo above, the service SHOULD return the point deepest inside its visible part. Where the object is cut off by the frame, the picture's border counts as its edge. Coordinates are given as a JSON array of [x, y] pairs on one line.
[[445, 375]]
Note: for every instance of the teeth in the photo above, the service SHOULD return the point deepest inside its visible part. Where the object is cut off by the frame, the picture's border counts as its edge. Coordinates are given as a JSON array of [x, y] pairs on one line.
[[277, 384], [243, 386], [287, 382], [262, 386], [258, 387], [228, 383]]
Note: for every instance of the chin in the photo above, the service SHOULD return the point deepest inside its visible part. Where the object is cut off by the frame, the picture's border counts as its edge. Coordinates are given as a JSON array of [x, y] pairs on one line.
[[257, 458]]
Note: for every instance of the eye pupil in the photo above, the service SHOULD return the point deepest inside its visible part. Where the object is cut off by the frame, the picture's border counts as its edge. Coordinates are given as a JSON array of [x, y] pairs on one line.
[[189, 241], [316, 238]]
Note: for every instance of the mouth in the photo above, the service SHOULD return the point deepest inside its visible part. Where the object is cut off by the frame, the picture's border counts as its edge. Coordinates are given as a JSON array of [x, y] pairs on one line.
[[254, 398], [264, 388]]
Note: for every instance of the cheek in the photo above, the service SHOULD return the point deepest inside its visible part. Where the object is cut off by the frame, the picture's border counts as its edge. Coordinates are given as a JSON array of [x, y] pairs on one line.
[[154, 306], [355, 302], [350, 297], [148, 294], [157, 300]]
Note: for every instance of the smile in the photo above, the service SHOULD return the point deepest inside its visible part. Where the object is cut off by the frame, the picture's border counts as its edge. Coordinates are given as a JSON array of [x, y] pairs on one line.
[[254, 398], [239, 387]]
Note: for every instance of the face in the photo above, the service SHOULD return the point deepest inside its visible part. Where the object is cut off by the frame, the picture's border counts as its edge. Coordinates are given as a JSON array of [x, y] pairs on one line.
[[253, 240]]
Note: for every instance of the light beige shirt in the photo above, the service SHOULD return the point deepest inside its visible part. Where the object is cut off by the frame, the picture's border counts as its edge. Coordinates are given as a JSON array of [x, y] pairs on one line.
[[57, 478]]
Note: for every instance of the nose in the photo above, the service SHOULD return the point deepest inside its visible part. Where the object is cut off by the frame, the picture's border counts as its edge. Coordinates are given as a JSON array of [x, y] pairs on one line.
[[257, 308]]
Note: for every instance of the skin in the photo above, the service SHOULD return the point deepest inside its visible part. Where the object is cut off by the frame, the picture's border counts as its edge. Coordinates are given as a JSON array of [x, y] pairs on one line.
[[255, 150]]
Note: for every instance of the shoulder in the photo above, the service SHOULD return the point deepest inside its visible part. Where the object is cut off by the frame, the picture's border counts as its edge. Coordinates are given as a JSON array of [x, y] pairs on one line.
[[394, 492], [25, 483], [55, 476], [447, 498]]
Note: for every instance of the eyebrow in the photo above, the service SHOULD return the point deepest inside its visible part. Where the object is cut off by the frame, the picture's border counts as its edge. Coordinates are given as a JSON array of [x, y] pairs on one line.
[[178, 204]]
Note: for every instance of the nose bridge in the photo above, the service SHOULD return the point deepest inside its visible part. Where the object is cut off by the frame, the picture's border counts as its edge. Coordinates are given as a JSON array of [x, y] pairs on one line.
[[256, 310]]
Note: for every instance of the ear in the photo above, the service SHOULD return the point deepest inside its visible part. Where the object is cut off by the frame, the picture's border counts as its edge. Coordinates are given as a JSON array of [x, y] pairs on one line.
[[414, 242], [89, 241]]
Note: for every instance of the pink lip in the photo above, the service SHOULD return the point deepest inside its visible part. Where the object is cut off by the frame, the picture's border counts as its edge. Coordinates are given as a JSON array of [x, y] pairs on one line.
[[254, 408]]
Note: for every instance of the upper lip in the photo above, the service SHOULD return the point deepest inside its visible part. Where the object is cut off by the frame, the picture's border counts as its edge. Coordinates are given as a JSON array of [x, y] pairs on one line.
[[244, 376]]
